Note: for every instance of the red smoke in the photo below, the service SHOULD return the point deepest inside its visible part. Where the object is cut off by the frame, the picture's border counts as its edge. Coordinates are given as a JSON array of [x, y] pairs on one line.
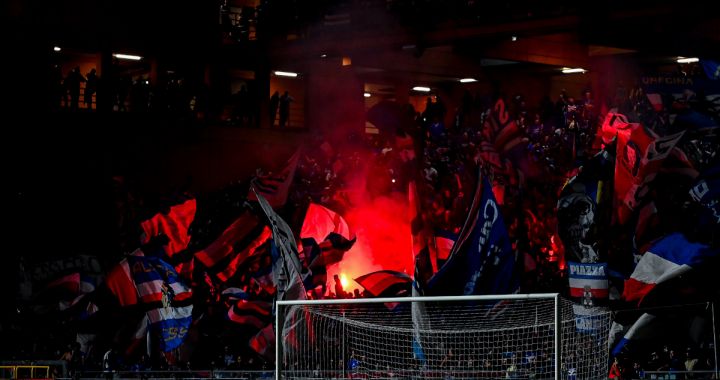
[[383, 234]]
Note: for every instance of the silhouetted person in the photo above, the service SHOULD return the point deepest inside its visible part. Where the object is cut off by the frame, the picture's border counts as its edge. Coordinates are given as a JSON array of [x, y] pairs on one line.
[[90, 88], [59, 92], [72, 84], [274, 103], [285, 100], [339, 291]]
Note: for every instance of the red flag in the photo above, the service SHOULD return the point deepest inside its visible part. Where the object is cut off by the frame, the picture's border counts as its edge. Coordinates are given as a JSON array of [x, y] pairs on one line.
[[253, 313], [639, 157], [121, 284], [320, 222], [174, 225], [264, 342], [238, 242]]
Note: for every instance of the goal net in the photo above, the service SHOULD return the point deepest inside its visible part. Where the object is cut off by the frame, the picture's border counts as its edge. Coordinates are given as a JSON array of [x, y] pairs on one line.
[[471, 337]]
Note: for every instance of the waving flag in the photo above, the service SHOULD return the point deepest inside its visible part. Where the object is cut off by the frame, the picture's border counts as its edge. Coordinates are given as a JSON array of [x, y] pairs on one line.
[[154, 284], [667, 259], [286, 266], [325, 238], [264, 342], [235, 294], [275, 187], [175, 225], [615, 124], [254, 313], [482, 261], [444, 241], [320, 222], [236, 244], [385, 283], [639, 157], [706, 192], [588, 282], [711, 68]]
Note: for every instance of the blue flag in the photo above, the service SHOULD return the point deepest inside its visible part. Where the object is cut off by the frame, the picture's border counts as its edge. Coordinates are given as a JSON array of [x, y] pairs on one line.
[[168, 301], [482, 261], [712, 69]]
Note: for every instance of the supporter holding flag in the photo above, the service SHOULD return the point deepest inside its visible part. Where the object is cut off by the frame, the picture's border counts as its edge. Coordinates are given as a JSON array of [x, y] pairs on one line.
[[482, 260]]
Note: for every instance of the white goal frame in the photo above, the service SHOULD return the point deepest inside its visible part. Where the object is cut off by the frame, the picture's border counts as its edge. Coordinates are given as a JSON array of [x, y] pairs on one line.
[[279, 314]]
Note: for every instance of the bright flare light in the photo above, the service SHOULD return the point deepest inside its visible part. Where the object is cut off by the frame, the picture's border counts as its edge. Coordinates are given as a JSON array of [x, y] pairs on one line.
[[343, 281], [421, 89], [568, 70], [688, 60], [367, 95], [128, 57], [468, 80], [286, 74]]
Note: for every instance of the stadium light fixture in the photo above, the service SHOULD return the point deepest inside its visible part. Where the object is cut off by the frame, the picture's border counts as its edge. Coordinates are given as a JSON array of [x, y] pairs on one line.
[[367, 95], [687, 60], [468, 80], [286, 74], [57, 48], [569, 70], [421, 89], [129, 57], [513, 38]]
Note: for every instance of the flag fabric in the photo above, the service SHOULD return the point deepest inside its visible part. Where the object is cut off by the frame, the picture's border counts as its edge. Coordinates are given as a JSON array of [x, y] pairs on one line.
[[482, 261], [264, 342], [641, 329], [639, 157], [328, 252], [286, 266], [234, 293], [66, 291], [669, 258], [385, 283], [320, 222], [240, 241], [706, 192], [275, 187], [253, 313], [444, 241], [615, 124], [175, 225], [325, 237], [588, 282], [711, 68], [261, 271], [168, 301], [154, 284], [690, 322], [120, 282]]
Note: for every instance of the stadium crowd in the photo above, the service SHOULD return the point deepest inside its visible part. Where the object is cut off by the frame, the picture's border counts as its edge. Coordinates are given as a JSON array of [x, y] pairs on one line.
[[554, 137]]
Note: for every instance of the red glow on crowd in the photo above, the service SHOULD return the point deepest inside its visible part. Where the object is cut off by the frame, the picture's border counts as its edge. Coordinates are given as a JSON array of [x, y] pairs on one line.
[[383, 240]]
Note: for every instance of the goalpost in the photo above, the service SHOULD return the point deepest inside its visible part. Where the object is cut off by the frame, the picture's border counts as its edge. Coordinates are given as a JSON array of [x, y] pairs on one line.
[[516, 336]]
